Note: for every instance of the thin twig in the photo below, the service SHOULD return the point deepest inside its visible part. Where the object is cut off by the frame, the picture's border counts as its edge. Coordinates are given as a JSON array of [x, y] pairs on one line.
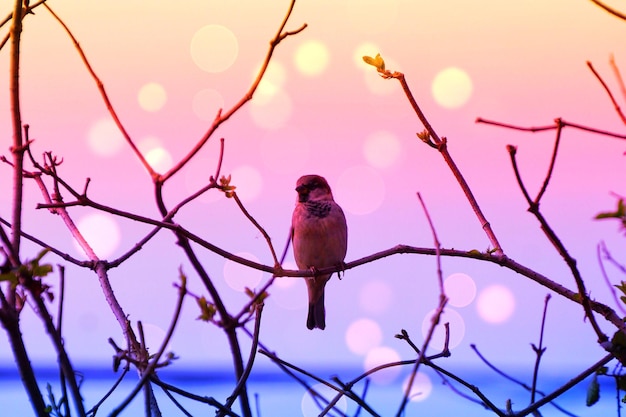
[[104, 95], [147, 372], [609, 9], [94, 409], [602, 250], [205, 400], [253, 350], [552, 127], [539, 350], [436, 317], [322, 381], [566, 387], [608, 92], [257, 225], [618, 76], [441, 145], [59, 328], [560, 248], [557, 141]]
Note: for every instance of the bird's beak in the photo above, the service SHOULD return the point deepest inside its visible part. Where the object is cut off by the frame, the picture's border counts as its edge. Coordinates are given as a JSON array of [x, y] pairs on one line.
[[303, 194]]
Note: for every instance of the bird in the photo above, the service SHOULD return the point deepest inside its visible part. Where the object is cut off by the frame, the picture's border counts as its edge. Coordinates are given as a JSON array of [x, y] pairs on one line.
[[319, 238]]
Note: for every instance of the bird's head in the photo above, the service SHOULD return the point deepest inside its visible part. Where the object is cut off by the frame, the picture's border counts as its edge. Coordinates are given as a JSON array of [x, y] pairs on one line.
[[313, 187]]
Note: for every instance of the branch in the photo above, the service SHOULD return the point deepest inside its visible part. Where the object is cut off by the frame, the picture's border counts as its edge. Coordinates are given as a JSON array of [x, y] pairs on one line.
[[104, 95], [609, 9], [17, 148], [552, 127], [443, 300], [608, 91], [539, 350], [560, 247], [148, 371], [322, 381], [258, 226], [441, 146], [244, 377], [566, 387], [221, 118], [618, 75]]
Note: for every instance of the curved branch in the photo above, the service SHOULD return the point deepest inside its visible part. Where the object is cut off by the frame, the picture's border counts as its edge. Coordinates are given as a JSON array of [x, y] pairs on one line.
[[221, 118], [609, 9], [104, 95]]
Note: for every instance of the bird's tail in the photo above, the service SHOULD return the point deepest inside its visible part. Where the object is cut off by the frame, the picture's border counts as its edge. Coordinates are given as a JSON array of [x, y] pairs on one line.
[[317, 314]]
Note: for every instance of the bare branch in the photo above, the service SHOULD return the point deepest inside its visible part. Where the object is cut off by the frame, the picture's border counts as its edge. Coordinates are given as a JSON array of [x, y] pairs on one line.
[[104, 95], [618, 75], [609, 9], [222, 117], [552, 127], [539, 350], [441, 145], [608, 92]]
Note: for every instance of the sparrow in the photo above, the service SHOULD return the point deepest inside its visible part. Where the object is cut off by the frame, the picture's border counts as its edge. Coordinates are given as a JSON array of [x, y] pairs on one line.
[[319, 238]]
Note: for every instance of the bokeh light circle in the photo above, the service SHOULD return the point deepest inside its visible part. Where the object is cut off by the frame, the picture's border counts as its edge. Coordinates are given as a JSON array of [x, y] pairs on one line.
[[460, 289], [206, 104], [351, 187], [214, 48], [289, 293], [375, 297], [311, 407], [495, 304], [364, 49], [363, 335], [152, 97], [311, 58], [377, 84], [381, 149], [248, 182], [105, 138], [102, 233], [379, 356], [457, 328], [421, 388], [238, 276], [273, 79], [154, 337], [157, 156], [452, 87]]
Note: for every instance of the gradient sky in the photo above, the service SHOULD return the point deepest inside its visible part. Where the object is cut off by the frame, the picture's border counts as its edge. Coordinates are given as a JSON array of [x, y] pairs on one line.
[[167, 69]]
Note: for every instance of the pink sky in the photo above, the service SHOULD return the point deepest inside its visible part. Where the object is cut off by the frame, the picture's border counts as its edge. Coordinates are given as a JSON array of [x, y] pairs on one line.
[[324, 111]]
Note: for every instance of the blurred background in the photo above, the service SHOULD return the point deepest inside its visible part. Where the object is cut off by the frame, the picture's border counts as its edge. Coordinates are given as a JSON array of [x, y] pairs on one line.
[[320, 109]]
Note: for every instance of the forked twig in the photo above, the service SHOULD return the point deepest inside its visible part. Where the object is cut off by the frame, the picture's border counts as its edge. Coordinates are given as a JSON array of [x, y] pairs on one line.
[[150, 367], [559, 246], [535, 129]]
